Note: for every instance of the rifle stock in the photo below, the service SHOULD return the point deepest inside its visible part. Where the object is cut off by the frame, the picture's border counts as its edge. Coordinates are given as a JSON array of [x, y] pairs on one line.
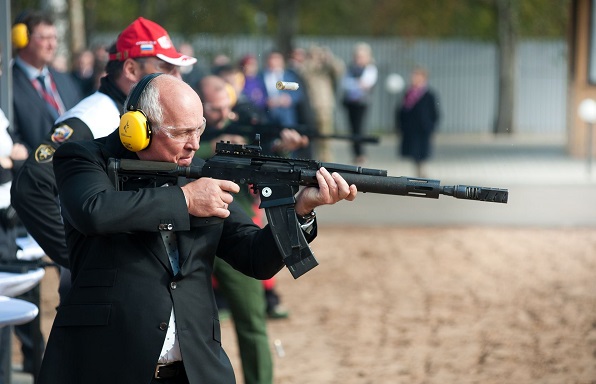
[[277, 180]]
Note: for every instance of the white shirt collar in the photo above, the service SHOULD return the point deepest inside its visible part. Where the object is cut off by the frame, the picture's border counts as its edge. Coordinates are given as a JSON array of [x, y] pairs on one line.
[[31, 72]]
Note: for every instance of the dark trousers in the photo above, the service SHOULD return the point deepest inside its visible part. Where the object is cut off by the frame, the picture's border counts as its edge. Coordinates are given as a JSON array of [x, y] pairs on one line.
[[356, 114]]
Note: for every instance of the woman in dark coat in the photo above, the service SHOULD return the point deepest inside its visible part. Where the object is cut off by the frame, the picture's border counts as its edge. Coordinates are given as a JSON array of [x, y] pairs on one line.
[[416, 120]]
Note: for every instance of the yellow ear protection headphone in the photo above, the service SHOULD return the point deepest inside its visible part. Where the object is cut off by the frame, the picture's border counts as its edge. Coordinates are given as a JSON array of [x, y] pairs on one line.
[[20, 32], [20, 36], [135, 130]]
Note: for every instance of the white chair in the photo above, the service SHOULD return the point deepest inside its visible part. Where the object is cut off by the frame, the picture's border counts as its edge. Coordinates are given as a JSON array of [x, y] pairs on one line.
[[16, 311], [14, 284]]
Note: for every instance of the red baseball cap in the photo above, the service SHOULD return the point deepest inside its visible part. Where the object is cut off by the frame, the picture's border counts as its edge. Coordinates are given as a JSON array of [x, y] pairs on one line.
[[145, 38]]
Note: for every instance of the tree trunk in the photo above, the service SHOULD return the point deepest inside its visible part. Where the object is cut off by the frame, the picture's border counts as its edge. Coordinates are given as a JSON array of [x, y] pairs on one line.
[[507, 39], [78, 38], [287, 26]]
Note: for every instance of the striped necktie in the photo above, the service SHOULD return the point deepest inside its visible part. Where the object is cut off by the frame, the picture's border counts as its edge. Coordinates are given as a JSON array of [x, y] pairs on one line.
[[47, 96]]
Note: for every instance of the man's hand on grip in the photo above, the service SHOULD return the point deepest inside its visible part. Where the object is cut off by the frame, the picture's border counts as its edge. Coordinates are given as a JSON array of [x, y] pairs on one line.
[[208, 197]]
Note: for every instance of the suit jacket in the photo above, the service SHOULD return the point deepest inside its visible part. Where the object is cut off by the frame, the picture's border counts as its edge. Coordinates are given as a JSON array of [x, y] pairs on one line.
[[32, 119], [112, 325]]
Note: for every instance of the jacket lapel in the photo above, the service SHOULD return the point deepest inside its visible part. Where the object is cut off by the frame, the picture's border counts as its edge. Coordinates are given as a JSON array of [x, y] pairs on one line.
[[30, 93], [155, 245]]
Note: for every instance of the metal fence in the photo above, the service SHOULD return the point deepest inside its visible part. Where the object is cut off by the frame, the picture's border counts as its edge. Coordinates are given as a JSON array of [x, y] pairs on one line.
[[463, 73]]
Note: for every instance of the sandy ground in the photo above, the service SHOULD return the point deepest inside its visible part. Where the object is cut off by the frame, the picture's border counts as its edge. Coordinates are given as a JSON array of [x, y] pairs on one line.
[[432, 305]]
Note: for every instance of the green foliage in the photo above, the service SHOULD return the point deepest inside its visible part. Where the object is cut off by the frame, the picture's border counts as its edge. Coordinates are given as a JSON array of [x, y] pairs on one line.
[[404, 18], [544, 18]]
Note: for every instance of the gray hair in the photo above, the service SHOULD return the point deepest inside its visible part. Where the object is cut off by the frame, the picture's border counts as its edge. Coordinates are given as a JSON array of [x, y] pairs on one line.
[[149, 103]]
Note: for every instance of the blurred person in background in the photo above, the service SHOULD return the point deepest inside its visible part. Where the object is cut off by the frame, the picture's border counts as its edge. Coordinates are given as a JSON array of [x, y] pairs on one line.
[[220, 59], [83, 70], [243, 111], [101, 58], [288, 108], [40, 93], [191, 74], [220, 111], [322, 72], [254, 87], [60, 63], [236, 294], [357, 86], [416, 119], [282, 105]]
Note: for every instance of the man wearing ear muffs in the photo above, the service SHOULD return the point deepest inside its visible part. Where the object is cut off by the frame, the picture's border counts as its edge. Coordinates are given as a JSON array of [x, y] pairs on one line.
[[40, 93], [141, 308], [142, 48]]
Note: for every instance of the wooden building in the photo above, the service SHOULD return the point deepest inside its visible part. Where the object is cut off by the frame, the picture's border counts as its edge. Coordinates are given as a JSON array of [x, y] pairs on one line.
[[582, 73]]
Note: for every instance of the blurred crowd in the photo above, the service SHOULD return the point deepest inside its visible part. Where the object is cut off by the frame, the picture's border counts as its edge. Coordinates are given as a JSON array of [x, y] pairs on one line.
[[86, 67], [325, 82], [310, 109]]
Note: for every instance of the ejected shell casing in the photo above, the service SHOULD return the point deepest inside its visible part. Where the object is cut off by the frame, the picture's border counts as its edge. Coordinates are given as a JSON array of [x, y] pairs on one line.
[[286, 85]]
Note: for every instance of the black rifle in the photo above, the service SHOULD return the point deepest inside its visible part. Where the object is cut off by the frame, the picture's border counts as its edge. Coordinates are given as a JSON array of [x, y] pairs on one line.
[[277, 180], [272, 131]]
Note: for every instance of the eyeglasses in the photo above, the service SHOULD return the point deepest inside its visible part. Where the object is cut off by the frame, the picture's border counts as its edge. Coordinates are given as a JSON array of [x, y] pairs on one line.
[[184, 135], [38, 36]]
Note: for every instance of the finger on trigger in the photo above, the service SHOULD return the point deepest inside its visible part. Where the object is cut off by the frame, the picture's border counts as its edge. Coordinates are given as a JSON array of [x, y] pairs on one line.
[[229, 186]]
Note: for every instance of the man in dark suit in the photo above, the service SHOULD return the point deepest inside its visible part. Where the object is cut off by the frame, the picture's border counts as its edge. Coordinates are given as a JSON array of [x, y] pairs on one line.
[[141, 308], [34, 194], [40, 93]]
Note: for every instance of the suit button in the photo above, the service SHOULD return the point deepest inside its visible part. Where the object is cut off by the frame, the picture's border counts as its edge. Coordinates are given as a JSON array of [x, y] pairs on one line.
[[173, 285], [163, 326]]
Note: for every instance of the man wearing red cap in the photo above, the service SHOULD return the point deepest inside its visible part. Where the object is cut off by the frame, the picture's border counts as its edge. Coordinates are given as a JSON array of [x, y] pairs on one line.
[[144, 47], [144, 38]]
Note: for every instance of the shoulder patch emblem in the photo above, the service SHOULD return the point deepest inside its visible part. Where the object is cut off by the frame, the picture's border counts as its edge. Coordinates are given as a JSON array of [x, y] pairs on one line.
[[44, 153], [62, 133]]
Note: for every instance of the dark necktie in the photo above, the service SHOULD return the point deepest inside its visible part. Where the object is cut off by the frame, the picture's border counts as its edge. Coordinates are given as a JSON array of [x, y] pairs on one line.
[[170, 241], [42, 82]]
